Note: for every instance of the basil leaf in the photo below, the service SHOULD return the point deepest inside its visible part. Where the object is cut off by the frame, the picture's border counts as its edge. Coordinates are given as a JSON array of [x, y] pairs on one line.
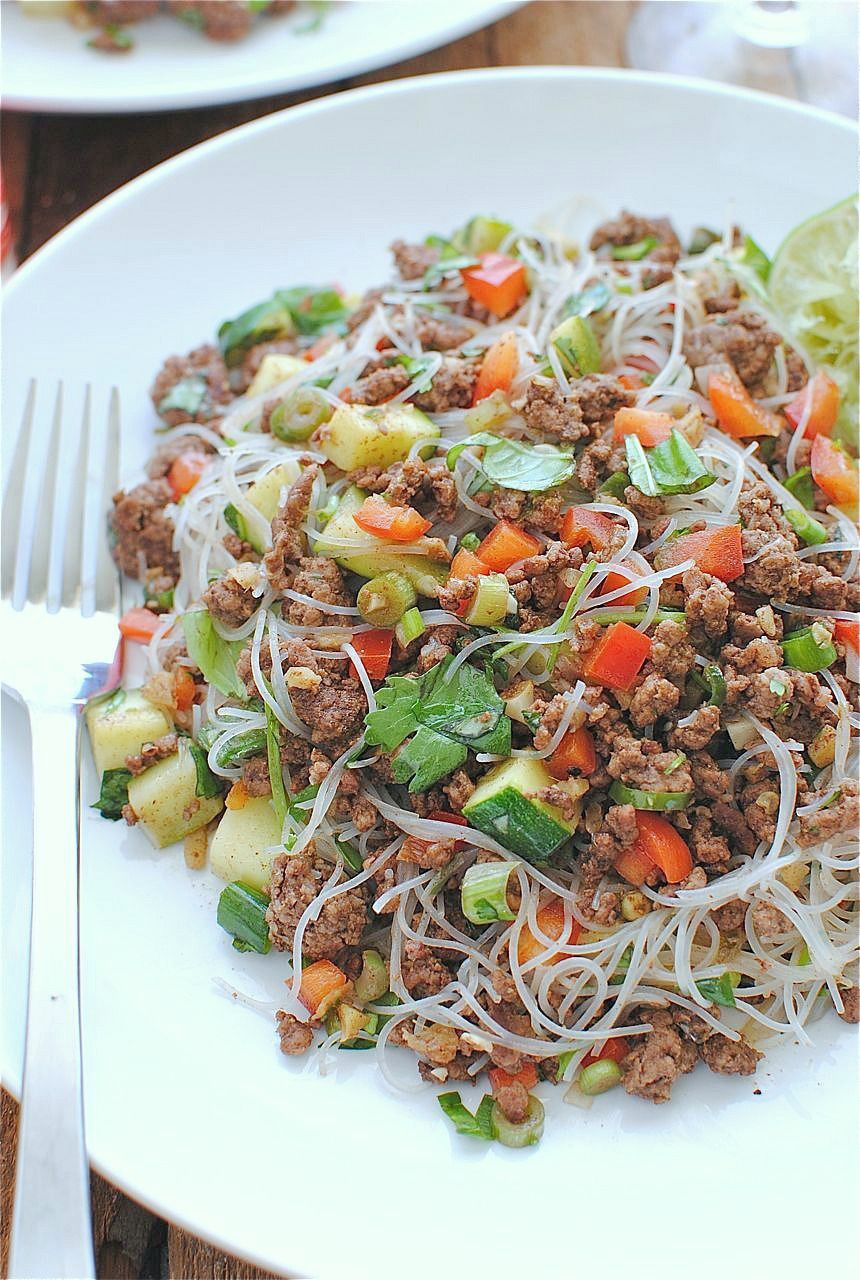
[[415, 367], [207, 784], [215, 656], [800, 485], [302, 309], [273, 760], [512, 465], [670, 467], [314, 311], [447, 263], [113, 793], [478, 1125]]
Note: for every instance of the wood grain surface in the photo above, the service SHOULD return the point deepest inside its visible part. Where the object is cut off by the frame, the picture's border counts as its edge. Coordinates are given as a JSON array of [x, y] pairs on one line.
[[55, 167]]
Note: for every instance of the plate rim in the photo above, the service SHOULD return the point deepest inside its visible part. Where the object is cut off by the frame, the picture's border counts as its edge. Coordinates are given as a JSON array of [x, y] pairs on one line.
[[272, 121], [484, 14]]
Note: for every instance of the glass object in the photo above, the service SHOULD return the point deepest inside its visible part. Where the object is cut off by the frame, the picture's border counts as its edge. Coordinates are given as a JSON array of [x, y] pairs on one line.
[[804, 49]]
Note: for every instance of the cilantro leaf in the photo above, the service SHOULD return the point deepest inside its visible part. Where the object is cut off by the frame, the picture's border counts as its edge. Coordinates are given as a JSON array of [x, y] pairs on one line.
[[478, 1125], [426, 758], [670, 467], [113, 793], [530, 468]]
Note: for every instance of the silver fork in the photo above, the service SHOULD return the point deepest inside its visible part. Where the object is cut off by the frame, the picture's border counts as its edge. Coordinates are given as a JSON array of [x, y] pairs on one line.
[[60, 596]]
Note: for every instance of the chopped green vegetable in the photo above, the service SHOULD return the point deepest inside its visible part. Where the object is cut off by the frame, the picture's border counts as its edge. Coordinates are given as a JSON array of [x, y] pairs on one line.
[[679, 759], [187, 395], [593, 297], [753, 256], [350, 855], [570, 608], [297, 417], [633, 615], [481, 235], [215, 656], [303, 309], [372, 982], [713, 682], [383, 600], [634, 252], [273, 758], [801, 486], [478, 1125], [415, 367], [113, 793], [810, 649], [207, 783], [655, 801], [446, 717], [809, 530], [242, 747], [451, 258], [484, 892], [525, 1134], [673, 466], [409, 628], [242, 912], [615, 484], [510, 464], [577, 347], [598, 1077], [492, 601], [236, 521], [720, 990], [470, 542], [701, 239]]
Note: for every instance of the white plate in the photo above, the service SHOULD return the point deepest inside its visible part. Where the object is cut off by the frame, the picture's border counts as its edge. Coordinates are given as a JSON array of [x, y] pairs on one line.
[[190, 1105], [46, 65]]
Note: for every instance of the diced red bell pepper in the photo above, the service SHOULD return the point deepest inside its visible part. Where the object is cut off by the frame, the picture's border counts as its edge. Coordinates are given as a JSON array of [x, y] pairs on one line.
[[550, 919], [374, 649], [393, 523], [505, 544], [848, 633], [660, 842], [581, 525], [322, 986], [618, 657], [614, 1050], [575, 751], [614, 581], [633, 865], [835, 473], [414, 846], [736, 411], [717, 551], [467, 565], [649, 428], [825, 406], [185, 471], [498, 369], [139, 625], [498, 283]]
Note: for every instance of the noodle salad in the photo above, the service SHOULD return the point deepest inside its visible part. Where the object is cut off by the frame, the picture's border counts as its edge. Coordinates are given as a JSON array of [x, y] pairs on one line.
[[502, 636]]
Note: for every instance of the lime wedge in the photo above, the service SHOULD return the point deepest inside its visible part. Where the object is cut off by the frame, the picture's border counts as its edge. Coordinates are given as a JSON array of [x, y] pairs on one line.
[[813, 286]]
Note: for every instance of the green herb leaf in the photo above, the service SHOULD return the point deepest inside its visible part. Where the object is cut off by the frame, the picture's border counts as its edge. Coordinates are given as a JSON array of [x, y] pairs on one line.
[[634, 252], [800, 485], [592, 298], [236, 521], [215, 656], [207, 784], [720, 990], [186, 395], [672, 466], [510, 464], [273, 758], [478, 1125], [427, 757], [615, 485], [113, 793], [415, 367], [302, 309]]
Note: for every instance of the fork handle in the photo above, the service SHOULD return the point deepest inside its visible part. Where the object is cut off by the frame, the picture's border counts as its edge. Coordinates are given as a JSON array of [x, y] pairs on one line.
[[51, 1223]]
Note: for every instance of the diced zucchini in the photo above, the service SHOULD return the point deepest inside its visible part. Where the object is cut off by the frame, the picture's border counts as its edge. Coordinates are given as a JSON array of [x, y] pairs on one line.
[[424, 574], [120, 724], [274, 368], [165, 799], [238, 850], [505, 806], [361, 436]]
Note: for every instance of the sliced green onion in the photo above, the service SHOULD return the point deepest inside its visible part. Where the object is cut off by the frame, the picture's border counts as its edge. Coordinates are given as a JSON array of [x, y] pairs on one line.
[[527, 1133], [800, 486], [484, 893], [372, 982], [810, 649], [713, 682], [809, 530], [599, 1077], [491, 603], [470, 542], [656, 801], [721, 990], [383, 601], [242, 912], [634, 252], [615, 484], [273, 756], [298, 416], [627, 614], [478, 1125], [409, 628], [236, 521]]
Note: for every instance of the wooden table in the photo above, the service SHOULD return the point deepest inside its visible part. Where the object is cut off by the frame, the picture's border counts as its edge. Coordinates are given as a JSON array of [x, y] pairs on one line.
[[55, 167]]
